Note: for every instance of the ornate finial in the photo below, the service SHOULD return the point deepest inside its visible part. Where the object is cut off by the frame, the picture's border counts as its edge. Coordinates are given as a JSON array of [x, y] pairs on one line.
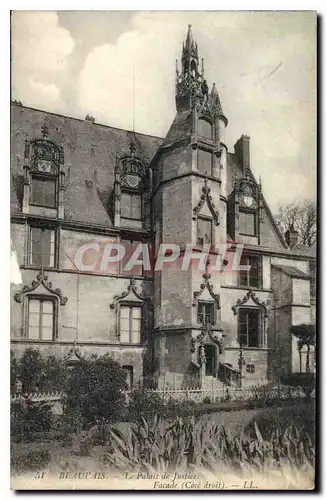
[[206, 179], [132, 148], [44, 131]]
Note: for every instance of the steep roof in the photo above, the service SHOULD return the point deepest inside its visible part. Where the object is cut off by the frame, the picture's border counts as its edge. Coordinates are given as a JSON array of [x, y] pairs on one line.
[[90, 153], [291, 271]]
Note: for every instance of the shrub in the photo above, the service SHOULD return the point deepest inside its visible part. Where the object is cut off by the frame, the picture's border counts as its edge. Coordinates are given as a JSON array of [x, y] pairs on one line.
[[144, 403], [36, 372], [94, 390], [304, 380], [206, 400], [27, 419]]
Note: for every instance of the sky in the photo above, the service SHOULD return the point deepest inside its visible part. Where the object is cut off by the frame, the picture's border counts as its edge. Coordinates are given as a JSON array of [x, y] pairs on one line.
[[121, 64]]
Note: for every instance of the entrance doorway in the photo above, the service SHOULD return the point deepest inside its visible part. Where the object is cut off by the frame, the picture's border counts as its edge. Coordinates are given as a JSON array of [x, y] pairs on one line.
[[211, 360]]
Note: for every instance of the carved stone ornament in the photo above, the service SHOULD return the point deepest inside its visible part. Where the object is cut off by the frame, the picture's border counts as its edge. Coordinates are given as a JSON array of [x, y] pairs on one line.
[[248, 194], [74, 354], [250, 295], [41, 279], [206, 285], [131, 288], [206, 197], [204, 336]]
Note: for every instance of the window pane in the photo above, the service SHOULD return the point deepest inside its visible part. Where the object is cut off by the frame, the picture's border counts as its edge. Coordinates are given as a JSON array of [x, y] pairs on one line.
[[34, 319], [47, 333], [33, 333], [124, 324], [136, 333], [43, 192], [247, 223], [34, 305], [136, 312], [205, 128], [253, 328], [47, 306], [204, 235], [204, 162], [42, 247], [254, 271], [130, 206], [47, 320], [124, 337], [124, 312]]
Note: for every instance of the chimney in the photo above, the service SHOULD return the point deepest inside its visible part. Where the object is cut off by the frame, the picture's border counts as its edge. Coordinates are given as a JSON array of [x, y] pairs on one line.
[[242, 151], [90, 118], [291, 236]]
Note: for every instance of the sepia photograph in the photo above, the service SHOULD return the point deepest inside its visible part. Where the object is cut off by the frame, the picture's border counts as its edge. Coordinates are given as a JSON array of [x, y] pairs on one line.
[[163, 213]]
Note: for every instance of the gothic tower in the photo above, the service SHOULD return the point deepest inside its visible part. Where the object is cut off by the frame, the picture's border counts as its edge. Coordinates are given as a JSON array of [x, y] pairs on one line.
[[189, 210]]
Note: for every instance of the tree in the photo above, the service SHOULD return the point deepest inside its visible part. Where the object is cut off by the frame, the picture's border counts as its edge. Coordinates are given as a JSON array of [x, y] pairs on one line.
[[302, 216], [306, 335]]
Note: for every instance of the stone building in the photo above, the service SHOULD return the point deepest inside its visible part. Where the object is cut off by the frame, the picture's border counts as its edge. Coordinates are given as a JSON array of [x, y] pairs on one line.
[[77, 184]]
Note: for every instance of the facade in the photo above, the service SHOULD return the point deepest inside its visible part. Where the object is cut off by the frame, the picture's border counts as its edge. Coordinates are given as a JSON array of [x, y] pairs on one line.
[[79, 185]]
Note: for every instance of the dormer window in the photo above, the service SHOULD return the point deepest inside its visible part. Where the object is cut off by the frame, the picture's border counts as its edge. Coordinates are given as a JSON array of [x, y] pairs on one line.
[[247, 223], [131, 206], [43, 191], [131, 185], [44, 177], [204, 128]]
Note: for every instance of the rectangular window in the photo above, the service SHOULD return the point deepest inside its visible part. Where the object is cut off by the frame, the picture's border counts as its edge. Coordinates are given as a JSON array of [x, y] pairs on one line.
[[43, 192], [40, 319], [206, 313], [131, 206], [312, 270], [130, 324], [42, 247], [204, 162], [252, 276], [131, 246], [250, 368], [249, 327], [247, 223], [204, 128], [204, 231]]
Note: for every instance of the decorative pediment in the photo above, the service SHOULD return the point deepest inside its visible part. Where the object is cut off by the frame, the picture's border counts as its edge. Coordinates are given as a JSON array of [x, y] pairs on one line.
[[250, 299], [206, 198], [248, 194], [74, 355], [131, 294], [208, 336], [206, 286], [41, 279]]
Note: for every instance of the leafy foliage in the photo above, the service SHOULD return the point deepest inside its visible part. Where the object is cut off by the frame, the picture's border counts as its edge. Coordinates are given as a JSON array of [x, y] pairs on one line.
[[27, 419], [304, 380], [157, 446], [306, 335], [94, 390], [36, 372]]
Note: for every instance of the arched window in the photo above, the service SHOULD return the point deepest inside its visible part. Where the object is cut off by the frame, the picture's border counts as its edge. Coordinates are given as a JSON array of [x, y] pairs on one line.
[[205, 128]]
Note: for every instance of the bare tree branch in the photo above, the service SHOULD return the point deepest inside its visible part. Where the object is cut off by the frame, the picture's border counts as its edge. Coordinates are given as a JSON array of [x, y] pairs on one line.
[[302, 216]]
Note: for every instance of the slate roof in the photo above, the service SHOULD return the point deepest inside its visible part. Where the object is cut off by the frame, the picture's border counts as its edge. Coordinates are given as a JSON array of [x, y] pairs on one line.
[[292, 271], [90, 153]]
